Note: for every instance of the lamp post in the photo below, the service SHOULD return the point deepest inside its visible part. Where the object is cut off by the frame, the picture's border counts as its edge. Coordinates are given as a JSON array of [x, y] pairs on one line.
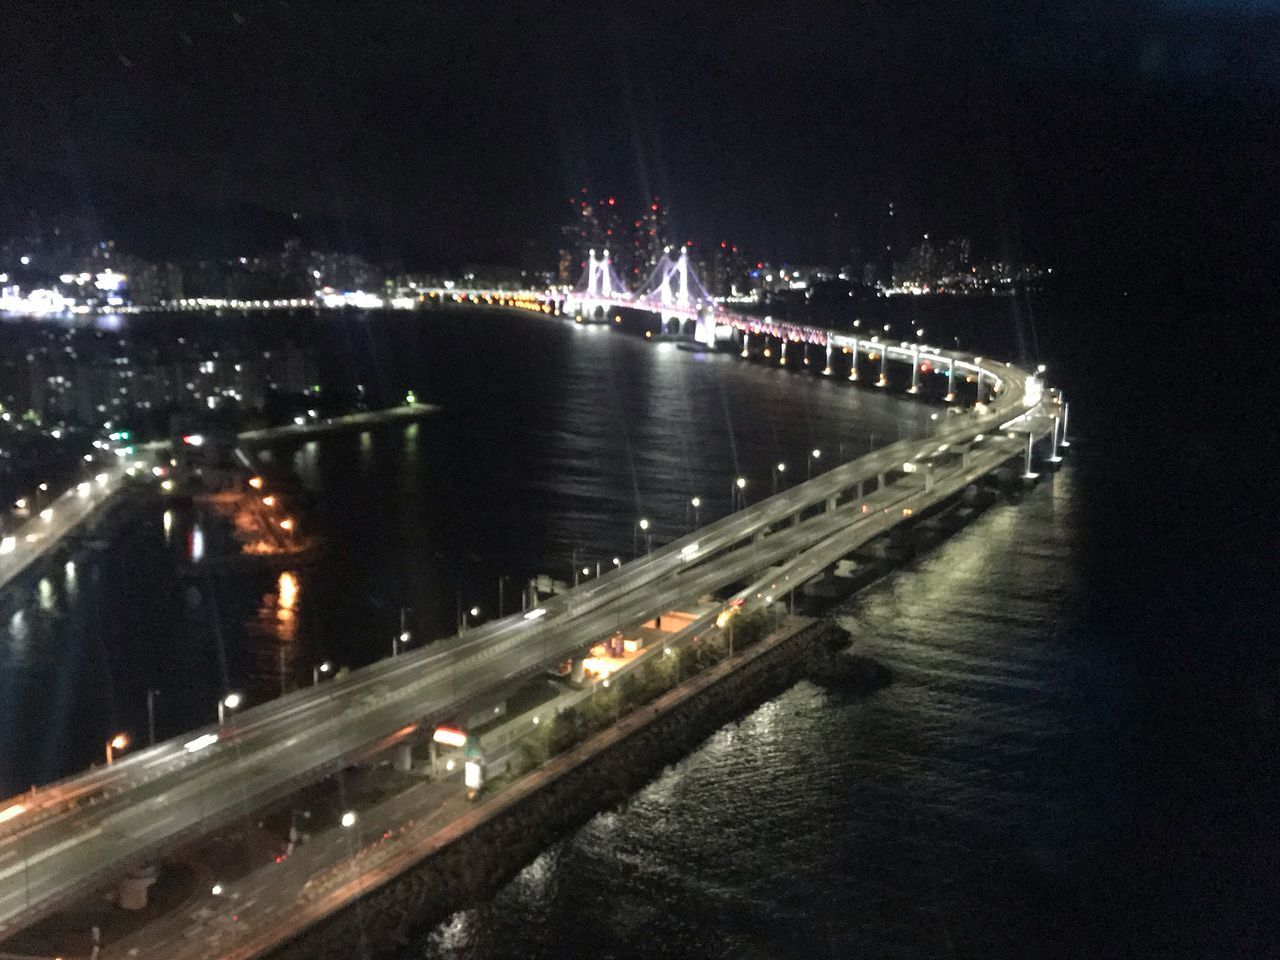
[[696, 503], [736, 492], [118, 742], [319, 669], [350, 820], [229, 702], [778, 469], [648, 537], [403, 636], [152, 693], [814, 455]]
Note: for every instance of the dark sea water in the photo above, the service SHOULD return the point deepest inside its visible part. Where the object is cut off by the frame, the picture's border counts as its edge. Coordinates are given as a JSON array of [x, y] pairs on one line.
[[1077, 757]]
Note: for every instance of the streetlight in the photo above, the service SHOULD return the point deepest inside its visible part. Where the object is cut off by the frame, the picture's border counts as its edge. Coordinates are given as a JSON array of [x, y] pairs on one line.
[[349, 819], [151, 716], [229, 702], [319, 669], [814, 454], [255, 482], [617, 561], [648, 538], [736, 491], [118, 742], [696, 503], [779, 469]]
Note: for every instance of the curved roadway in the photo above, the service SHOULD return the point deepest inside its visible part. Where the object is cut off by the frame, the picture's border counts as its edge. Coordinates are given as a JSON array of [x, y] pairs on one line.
[[71, 837]]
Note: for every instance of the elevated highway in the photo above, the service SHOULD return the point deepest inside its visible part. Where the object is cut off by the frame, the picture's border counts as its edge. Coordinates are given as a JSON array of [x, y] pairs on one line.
[[70, 838]]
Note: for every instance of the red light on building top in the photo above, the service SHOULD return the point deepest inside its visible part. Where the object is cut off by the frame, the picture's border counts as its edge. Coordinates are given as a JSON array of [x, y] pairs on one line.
[[611, 201], [653, 207], [723, 244]]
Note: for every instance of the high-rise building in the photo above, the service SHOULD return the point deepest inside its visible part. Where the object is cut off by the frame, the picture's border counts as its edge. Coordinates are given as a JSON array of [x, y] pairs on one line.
[[591, 225], [650, 238]]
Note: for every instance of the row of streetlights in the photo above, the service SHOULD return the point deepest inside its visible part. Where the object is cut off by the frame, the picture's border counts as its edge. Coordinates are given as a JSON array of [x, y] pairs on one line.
[[229, 702], [121, 741], [737, 494], [780, 467]]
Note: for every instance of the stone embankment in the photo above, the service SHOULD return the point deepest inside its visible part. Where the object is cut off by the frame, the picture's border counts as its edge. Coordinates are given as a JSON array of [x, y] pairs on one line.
[[505, 832]]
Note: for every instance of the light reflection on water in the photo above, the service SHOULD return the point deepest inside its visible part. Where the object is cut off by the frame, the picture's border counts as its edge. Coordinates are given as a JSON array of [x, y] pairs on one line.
[[824, 825]]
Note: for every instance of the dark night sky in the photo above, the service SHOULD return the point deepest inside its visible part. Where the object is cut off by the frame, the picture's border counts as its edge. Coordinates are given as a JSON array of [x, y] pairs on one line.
[[1138, 137]]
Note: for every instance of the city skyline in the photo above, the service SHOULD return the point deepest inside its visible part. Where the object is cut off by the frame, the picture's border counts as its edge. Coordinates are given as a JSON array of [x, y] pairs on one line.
[[481, 123]]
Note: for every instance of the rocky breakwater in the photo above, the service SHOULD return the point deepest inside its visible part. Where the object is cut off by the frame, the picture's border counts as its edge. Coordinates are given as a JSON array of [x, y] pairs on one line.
[[831, 667]]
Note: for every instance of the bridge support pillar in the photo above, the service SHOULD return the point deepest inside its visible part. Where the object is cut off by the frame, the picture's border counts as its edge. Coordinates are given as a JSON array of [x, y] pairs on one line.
[[404, 757], [783, 361], [132, 892], [577, 671], [853, 369], [1028, 473], [1066, 412], [746, 344], [951, 382], [1053, 450], [826, 371], [859, 490], [884, 369], [831, 503], [928, 477], [879, 481], [915, 373]]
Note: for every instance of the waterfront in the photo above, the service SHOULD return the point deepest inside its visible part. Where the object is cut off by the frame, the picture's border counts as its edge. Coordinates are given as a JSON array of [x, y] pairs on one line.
[[551, 442], [1051, 768]]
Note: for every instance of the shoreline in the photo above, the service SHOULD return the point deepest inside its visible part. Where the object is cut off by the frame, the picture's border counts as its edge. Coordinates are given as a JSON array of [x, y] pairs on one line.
[[474, 854]]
